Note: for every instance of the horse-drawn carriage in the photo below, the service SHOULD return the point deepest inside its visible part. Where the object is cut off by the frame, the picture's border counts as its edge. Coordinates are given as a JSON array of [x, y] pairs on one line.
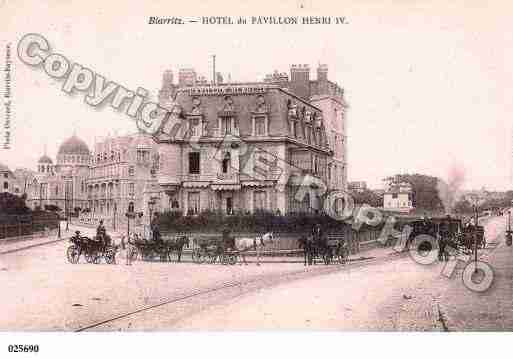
[[326, 248], [93, 249], [210, 249], [449, 232], [145, 249]]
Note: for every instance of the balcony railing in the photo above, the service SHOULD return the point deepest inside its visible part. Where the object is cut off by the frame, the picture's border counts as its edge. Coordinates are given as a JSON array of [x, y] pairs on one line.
[[227, 178]]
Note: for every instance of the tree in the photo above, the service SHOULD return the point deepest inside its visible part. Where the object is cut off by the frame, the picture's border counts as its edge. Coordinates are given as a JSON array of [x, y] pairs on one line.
[[367, 197], [463, 206], [12, 204]]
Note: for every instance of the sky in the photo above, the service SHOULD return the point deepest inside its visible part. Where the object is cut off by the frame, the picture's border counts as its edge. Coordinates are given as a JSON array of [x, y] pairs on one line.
[[427, 83]]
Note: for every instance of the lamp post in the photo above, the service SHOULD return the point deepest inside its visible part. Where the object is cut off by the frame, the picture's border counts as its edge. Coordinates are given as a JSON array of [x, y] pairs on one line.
[[151, 207], [114, 218], [129, 214], [509, 234], [477, 202], [476, 216]]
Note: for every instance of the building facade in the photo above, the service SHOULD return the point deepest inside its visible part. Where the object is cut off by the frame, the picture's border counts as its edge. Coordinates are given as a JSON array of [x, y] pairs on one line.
[[277, 145], [120, 179], [253, 146]]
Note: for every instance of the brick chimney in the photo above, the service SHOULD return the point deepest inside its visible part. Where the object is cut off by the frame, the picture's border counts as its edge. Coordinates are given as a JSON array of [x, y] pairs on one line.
[[300, 81], [168, 87], [322, 72]]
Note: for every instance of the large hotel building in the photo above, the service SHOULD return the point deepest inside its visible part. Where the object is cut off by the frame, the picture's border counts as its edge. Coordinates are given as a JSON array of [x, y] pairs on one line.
[[230, 147], [252, 146]]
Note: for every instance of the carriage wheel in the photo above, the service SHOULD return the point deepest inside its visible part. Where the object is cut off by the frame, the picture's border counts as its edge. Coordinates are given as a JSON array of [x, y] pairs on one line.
[[232, 259], [195, 256], [97, 258], [132, 253], [201, 257], [110, 256], [90, 257], [147, 255], [165, 256], [73, 254]]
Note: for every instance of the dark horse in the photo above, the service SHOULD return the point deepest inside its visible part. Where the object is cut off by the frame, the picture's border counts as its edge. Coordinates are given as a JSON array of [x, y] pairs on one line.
[[177, 244], [306, 243], [314, 247]]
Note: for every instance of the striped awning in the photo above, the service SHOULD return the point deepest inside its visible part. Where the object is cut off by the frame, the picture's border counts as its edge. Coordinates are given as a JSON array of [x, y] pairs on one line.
[[226, 187], [196, 184], [257, 184]]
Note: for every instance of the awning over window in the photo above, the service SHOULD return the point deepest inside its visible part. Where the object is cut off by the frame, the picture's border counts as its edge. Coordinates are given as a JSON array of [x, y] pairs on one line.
[[226, 187], [257, 184], [195, 184]]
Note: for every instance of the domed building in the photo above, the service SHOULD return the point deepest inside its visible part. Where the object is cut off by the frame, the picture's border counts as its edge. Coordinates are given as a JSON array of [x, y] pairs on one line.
[[63, 183], [45, 164]]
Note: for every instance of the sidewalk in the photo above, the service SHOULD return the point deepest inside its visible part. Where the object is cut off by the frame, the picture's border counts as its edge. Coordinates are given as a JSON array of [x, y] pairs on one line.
[[491, 310], [7, 246]]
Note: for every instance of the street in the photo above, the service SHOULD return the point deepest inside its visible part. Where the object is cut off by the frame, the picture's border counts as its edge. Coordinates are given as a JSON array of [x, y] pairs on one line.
[[42, 291]]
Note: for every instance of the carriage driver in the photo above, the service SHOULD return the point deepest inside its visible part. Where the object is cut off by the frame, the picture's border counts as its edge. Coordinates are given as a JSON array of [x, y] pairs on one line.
[[101, 232], [155, 230], [317, 232]]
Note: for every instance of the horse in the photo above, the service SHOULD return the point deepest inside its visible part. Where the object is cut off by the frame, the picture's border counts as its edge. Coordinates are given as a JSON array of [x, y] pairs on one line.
[[315, 246], [177, 244], [258, 243], [307, 244]]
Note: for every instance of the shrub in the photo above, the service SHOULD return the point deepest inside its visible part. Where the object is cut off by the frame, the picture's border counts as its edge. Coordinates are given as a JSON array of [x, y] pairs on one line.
[[261, 221]]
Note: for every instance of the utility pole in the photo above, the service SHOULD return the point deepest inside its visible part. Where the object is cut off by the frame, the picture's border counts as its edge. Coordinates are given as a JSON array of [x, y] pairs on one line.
[[476, 214], [214, 70], [509, 236]]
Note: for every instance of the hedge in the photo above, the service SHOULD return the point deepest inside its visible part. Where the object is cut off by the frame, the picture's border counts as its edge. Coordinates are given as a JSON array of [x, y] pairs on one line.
[[213, 221]]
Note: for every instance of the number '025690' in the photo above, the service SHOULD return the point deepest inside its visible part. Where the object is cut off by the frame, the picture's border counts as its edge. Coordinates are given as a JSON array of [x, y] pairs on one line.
[[22, 348]]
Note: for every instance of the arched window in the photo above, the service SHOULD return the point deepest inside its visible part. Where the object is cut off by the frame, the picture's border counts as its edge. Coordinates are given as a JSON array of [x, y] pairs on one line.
[[306, 203], [131, 207]]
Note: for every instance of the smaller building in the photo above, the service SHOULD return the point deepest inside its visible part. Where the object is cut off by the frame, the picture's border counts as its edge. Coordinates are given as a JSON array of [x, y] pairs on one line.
[[120, 179], [8, 182], [398, 197]]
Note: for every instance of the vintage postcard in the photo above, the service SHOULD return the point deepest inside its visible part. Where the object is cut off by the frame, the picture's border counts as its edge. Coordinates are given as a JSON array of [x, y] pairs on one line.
[[224, 166]]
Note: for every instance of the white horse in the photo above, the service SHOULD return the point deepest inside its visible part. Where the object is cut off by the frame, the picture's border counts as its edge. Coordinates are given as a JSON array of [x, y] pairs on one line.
[[245, 244]]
